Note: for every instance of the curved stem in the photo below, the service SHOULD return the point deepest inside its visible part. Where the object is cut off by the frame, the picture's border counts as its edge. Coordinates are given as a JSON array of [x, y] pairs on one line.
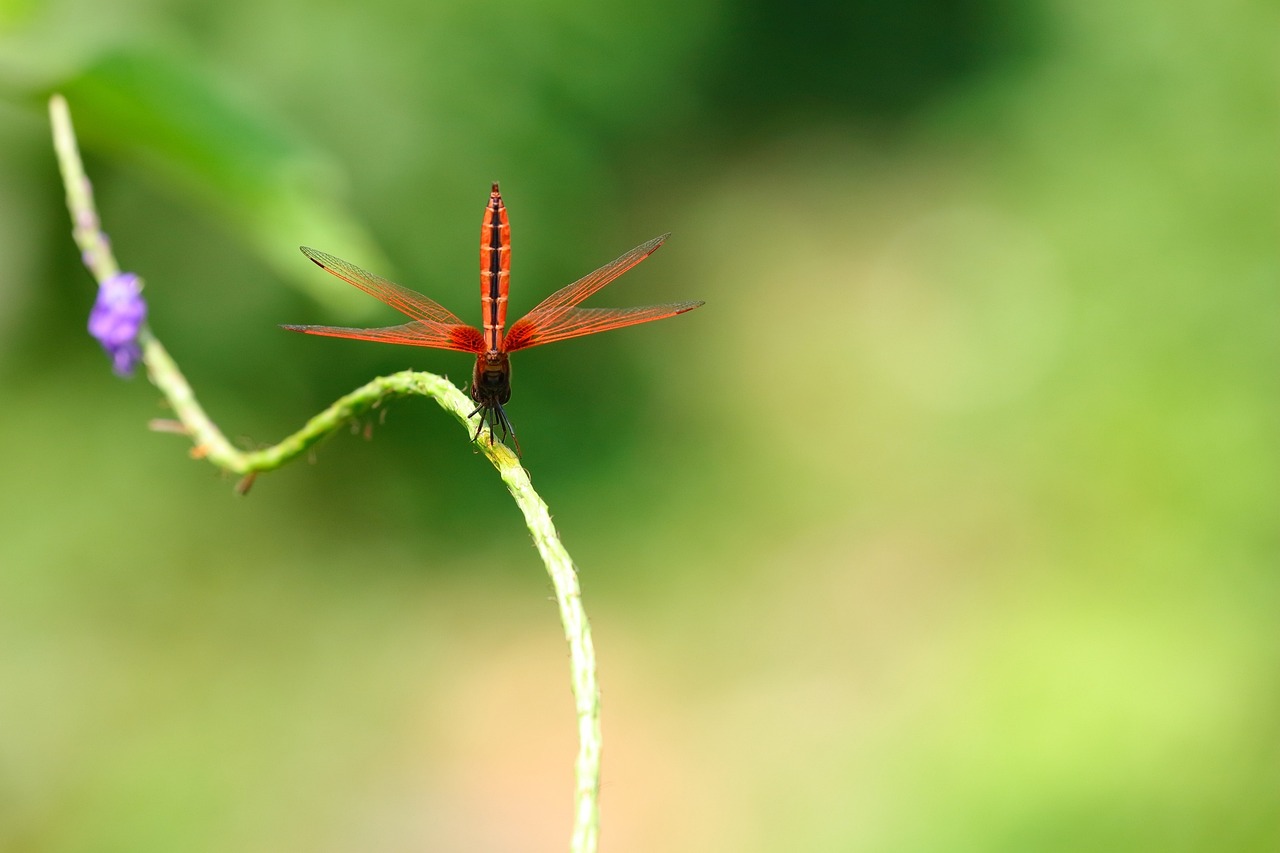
[[582, 654], [210, 443]]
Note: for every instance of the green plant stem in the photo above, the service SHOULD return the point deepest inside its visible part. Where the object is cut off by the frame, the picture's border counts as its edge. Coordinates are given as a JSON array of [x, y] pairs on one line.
[[210, 443], [582, 654]]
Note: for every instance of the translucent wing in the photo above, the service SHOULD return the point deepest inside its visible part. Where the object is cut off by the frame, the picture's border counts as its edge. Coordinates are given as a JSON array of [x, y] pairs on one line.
[[416, 334], [576, 322], [435, 326], [557, 318], [408, 302]]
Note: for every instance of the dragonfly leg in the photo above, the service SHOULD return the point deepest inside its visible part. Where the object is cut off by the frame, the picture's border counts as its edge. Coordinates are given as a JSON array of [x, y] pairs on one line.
[[496, 417], [479, 426], [508, 431]]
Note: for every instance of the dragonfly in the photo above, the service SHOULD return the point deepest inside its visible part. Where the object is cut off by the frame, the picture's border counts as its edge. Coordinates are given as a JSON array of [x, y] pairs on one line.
[[556, 318]]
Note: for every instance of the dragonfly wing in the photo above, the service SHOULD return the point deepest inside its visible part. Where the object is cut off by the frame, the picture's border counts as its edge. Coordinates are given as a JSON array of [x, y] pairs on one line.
[[406, 301], [556, 318], [532, 330], [452, 336], [573, 294]]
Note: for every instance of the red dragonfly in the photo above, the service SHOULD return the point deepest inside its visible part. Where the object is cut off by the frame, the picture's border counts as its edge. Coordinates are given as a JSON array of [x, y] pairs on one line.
[[556, 318]]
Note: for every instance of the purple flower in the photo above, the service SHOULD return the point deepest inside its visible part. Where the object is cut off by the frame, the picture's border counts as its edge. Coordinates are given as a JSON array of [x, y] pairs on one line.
[[116, 318]]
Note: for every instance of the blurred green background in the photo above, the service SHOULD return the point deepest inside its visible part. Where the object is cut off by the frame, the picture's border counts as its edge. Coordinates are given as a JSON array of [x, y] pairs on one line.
[[948, 524]]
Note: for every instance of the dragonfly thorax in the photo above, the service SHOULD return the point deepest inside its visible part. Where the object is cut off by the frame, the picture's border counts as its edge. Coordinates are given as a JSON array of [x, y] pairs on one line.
[[491, 380]]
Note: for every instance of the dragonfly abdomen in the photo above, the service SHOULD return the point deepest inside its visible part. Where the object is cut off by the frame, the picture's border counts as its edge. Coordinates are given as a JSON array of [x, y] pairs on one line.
[[495, 269]]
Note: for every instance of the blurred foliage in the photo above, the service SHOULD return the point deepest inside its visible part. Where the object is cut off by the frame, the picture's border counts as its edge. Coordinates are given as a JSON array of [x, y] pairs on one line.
[[946, 524], [173, 123]]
